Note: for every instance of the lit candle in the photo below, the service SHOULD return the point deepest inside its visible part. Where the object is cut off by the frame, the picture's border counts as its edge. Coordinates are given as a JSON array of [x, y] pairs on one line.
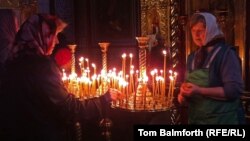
[[131, 82], [64, 75], [94, 84], [124, 64], [157, 90], [136, 76], [126, 84], [131, 58], [98, 80], [164, 70], [174, 82], [94, 66], [114, 78], [87, 60], [81, 64], [153, 82], [170, 87], [127, 95]]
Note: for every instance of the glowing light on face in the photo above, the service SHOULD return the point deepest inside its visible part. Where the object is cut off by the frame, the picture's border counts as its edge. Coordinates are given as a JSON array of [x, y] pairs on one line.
[[199, 34]]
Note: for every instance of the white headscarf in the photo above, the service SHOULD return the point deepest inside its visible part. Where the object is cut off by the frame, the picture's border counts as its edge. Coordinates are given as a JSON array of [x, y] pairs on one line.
[[212, 28]]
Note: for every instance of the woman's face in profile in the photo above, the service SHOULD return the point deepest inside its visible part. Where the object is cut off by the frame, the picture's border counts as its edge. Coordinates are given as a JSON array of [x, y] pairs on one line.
[[199, 34]]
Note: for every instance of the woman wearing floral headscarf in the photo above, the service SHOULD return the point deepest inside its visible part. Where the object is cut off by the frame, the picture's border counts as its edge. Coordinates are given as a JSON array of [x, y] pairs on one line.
[[36, 104], [213, 83]]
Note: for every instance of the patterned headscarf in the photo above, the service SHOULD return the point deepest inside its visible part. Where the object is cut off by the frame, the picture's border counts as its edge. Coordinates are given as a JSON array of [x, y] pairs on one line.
[[31, 38], [8, 30]]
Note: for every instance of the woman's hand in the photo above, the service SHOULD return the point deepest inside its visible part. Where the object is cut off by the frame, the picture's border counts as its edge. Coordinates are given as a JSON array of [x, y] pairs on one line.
[[114, 94], [189, 89]]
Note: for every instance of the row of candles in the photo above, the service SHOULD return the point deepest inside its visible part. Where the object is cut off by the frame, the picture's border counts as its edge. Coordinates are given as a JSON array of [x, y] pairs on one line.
[[89, 85]]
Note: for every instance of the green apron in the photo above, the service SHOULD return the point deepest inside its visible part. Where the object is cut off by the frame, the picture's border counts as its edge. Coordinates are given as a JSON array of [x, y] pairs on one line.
[[205, 110]]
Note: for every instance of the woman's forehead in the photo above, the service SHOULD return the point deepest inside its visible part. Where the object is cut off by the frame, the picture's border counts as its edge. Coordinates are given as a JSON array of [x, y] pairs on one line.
[[199, 25]]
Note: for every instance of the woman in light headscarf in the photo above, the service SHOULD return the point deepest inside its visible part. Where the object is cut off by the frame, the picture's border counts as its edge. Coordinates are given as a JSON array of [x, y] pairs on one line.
[[36, 104], [213, 80]]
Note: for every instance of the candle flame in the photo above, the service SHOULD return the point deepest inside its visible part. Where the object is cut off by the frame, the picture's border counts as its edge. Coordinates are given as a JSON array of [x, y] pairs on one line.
[[124, 55], [164, 52]]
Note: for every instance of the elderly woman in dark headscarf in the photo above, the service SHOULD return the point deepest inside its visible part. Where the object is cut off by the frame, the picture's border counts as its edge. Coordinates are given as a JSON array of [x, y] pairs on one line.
[[8, 29], [36, 104], [37, 36]]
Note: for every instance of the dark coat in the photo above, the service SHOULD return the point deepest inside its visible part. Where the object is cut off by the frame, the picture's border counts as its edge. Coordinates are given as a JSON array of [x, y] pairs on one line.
[[36, 106]]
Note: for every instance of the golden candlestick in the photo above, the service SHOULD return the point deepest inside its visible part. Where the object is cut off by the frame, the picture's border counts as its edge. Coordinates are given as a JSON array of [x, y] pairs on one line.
[[73, 84], [73, 60], [142, 91], [103, 84], [104, 48], [143, 45]]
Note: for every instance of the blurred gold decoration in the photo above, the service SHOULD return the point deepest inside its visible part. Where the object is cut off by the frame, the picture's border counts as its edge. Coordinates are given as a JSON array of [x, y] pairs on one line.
[[155, 13], [16, 3], [25, 8], [9, 3], [161, 17]]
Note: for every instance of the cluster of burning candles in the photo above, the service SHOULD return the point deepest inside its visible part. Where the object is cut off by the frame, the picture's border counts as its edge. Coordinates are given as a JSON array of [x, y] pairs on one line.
[[139, 91]]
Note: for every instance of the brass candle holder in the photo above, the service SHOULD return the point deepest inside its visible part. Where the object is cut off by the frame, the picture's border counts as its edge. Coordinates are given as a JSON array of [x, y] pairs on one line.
[[148, 96], [72, 48], [139, 93], [142, 91], [104, 84], [73, 86], [143, 45], [104, 48]]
